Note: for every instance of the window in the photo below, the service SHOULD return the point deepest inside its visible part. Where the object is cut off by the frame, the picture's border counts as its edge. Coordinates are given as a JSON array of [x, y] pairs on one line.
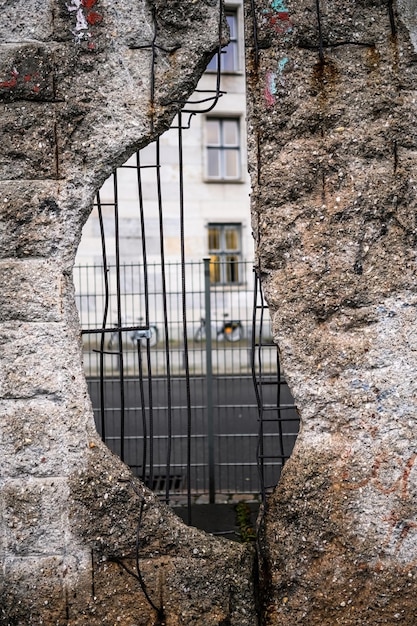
[[229, 59], [224, 246], [223, 148]]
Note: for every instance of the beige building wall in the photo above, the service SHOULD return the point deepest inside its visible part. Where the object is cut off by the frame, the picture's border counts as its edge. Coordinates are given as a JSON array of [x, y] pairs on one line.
[[206, 200]]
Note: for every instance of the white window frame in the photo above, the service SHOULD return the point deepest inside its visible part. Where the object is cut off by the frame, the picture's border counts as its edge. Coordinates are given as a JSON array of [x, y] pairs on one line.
[[233, 48], [221, 148], [227, 269]]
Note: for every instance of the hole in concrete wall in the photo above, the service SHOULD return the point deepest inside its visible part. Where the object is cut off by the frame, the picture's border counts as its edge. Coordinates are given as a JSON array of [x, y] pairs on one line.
[[199, 421], [184, 378]]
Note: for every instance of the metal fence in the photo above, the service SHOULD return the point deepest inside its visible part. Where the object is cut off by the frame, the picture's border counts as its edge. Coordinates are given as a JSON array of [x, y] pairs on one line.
[[194, 409], [185, 381]]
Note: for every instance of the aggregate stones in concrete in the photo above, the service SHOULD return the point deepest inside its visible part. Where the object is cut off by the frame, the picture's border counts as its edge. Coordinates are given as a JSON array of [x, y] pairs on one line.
[[332, 116], [81, 541]]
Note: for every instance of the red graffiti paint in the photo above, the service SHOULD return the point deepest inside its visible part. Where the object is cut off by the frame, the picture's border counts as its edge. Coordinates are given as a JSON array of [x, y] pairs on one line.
[[10, 84], [269, 97], [280, 22], [94, 18], [86, 18]]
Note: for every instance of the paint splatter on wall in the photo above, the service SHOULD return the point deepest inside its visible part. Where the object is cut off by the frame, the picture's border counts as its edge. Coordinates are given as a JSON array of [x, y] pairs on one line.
[[11, 82], [270, 88], [28, 82], [272, 80], [85, 18], [279, 18]]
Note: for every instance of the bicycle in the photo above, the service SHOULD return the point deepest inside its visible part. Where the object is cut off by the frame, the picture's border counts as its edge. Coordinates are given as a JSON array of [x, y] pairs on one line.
[[230, 330], [143, 335]]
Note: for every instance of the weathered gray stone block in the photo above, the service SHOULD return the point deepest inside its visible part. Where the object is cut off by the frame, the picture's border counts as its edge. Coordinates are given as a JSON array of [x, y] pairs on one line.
[[34, 515], [29, 72], [18, 23], [334, 214], [31, 222], [38, 440], [36, 361], [41, 598], [28, 148], [38, 284], [96, 99]]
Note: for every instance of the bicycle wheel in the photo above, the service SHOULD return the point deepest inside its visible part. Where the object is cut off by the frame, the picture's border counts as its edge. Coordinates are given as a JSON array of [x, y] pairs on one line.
[[233, 332], [200, 334]]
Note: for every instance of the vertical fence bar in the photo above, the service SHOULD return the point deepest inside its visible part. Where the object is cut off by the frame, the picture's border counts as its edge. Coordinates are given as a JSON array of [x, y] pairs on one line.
[[104, 320], [184, 312], [209, 382], [119, 316]]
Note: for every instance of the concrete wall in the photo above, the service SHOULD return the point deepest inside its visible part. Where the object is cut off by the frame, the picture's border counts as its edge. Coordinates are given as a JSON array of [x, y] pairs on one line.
[[332, 118], [333, 151], [77, 97]]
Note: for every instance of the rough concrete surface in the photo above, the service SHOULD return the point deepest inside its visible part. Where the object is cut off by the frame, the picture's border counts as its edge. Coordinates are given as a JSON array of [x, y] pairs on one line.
[[81, 541], [332, 116]]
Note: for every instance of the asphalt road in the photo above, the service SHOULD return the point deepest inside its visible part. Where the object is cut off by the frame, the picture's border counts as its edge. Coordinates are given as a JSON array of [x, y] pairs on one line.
[[159, 411]]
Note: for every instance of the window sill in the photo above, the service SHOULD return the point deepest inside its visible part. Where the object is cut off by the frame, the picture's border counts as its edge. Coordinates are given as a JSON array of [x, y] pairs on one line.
[[226, 73], [224, 181], [230, 286]]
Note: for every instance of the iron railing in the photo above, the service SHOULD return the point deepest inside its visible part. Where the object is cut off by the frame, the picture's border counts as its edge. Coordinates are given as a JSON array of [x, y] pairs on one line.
[[191, 412], [240, 433]]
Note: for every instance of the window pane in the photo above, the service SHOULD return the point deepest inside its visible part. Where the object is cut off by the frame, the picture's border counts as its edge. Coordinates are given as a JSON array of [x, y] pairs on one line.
[[231, 238], [213, 132], [231, 163], [229, 55], [232, 21], [212, 65], [232, 269], [230, 133], [214, 269], [214, 238], [229, 58], [213, 163], [223, 149]]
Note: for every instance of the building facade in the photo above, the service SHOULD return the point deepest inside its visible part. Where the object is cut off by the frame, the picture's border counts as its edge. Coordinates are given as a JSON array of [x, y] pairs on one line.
[[216, 181], [184, 197]]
